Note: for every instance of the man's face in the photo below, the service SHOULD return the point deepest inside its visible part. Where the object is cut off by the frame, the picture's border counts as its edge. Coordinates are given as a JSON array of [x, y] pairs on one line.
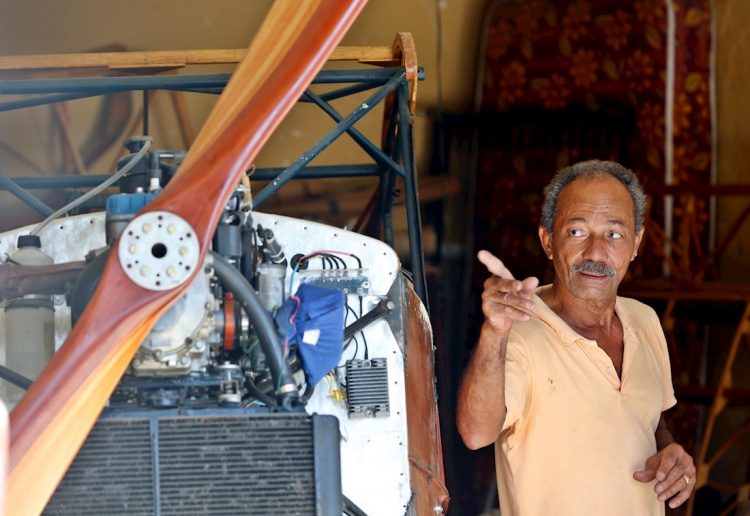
[[594, 237]]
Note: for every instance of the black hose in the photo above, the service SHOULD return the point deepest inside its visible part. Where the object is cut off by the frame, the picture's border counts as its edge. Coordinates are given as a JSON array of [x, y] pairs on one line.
[[309, 391], [260, 395], [233, 281], [15, 378], [351, 509]]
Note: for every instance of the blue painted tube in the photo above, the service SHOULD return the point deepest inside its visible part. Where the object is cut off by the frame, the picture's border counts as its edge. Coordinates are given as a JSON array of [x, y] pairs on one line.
[[374, 152], [349, 90], [321, 172], [43, 100], [12, 187], [413, 216], [261, 174], [337, 131], [103, 85]]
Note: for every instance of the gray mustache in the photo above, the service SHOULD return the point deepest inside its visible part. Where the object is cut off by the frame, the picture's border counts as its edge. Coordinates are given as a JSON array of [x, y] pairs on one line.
[[590, 267]]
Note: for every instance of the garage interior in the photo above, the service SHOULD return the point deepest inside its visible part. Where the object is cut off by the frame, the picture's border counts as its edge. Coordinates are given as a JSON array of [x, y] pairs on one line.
[[504, 92]]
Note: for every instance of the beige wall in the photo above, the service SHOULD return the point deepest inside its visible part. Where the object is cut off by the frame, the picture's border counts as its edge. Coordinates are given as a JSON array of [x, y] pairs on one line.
[[733, 117], [48, 26]]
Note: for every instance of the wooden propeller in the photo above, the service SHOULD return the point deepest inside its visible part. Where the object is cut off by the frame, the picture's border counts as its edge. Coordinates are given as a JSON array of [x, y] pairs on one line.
[[51, 422]]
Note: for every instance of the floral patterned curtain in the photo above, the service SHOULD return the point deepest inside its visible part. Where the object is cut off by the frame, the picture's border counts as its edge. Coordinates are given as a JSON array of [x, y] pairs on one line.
[[569, 80]]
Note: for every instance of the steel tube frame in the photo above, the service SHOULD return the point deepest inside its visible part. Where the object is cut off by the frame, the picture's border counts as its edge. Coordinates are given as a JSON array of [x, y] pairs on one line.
[[395, 159], [413, 217], [43, 100], [330, 95], [370, 148], [324, 142], [18, 191], [349, 90], [260, 174], [387, 180], [102, 85]]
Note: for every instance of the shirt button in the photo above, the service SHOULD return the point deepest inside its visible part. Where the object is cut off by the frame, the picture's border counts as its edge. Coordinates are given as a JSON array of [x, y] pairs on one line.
[[609, 369]]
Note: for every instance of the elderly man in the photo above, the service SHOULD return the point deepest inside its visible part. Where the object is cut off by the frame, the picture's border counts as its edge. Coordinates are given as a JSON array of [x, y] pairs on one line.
[[569, 380]]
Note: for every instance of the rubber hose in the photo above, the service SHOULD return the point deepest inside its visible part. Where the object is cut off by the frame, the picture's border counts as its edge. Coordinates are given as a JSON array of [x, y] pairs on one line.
[[260, 395], [233, 281]]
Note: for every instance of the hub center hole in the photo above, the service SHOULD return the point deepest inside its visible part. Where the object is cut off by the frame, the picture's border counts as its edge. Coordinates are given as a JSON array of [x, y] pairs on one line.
[[159, 250]]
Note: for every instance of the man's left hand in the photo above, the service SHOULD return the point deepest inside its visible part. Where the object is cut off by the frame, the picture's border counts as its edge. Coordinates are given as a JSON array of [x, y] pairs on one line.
[[674, 472]]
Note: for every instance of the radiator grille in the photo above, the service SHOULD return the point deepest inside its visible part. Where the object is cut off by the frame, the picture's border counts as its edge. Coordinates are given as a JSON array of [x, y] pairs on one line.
[[112, 474], [259, 464], [367, 388], [250, 466]]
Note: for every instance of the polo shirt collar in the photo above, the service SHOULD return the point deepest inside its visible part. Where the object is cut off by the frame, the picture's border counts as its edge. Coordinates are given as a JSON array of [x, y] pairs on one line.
[[565, 334]]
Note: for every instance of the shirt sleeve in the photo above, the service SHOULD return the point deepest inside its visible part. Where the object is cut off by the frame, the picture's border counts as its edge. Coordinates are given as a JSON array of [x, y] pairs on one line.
[[517, 381], [667, 388]]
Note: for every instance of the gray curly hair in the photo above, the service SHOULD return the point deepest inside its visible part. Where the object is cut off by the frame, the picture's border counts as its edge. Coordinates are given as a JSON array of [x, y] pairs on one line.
[[592, 168]]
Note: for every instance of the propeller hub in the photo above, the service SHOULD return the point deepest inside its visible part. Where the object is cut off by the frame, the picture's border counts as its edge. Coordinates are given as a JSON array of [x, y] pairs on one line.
[[158, 250]]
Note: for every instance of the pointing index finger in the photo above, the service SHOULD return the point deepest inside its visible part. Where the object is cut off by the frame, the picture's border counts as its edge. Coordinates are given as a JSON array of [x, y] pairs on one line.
[[494, 265]]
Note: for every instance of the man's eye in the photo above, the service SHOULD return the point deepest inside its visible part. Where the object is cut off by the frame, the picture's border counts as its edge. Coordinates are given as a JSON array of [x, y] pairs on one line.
[[575, 232], [615, 235]]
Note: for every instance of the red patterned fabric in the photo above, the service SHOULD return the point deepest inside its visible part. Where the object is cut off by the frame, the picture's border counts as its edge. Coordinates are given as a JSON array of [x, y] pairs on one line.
[[692, 115], [548, 65]]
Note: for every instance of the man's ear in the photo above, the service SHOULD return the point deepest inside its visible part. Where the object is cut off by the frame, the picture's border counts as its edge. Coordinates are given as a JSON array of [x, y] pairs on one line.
[[638, 238], [546, 239]]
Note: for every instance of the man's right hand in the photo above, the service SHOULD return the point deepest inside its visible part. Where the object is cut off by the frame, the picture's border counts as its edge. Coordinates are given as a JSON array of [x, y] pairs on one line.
[[504, 299], [481, 397]]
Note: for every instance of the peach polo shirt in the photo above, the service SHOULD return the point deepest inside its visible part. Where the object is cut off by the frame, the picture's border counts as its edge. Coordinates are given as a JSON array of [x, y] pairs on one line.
[[575, 433]]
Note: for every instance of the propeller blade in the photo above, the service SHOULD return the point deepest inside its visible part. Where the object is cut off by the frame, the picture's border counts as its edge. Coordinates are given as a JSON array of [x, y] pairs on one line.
[[53, 419]]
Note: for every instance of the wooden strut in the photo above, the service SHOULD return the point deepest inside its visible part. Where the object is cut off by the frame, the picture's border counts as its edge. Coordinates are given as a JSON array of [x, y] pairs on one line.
[[67, 134], [170, 59], [721, 396], [54, 417], [405, 51], [704, 463], [28, 161], [688, 240]]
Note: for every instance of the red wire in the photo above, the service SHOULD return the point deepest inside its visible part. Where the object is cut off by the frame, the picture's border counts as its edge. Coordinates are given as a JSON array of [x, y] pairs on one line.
[[294, 325], [324, 251]]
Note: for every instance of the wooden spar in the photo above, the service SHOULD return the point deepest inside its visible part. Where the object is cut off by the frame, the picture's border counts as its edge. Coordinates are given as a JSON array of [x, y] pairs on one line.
[[425, 449], [165, 59], [406, 51], [51, 422]]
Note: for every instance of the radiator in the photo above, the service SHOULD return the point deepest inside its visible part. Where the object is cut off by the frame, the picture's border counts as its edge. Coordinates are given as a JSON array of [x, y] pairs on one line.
[[218, 462]]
